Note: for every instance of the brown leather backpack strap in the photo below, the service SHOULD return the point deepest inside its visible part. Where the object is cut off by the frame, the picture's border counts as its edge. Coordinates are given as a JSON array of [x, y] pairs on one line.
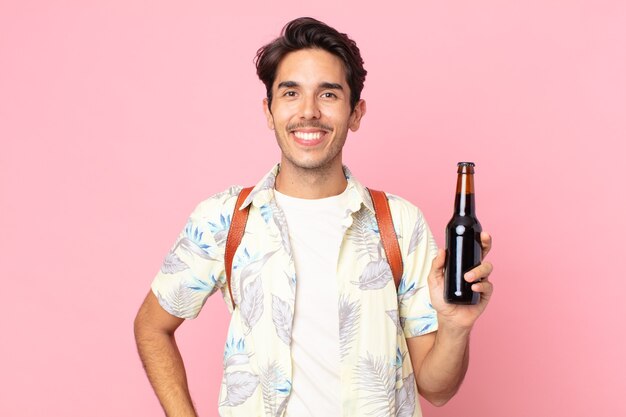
[[235, 234], [388, 234]]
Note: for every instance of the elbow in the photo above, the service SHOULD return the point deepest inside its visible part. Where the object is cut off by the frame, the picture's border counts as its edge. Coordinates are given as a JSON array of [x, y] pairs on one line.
[[438, 399], [142, 327], [139, 322], [137, 326], [438, 402], [138, 329]]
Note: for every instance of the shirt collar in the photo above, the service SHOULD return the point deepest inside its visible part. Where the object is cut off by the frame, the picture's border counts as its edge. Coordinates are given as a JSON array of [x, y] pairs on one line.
[[263, 191]]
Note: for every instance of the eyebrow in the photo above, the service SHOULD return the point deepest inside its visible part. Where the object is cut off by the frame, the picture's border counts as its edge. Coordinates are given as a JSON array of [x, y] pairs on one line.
[[324, 85], [287, 84], [331, 86]]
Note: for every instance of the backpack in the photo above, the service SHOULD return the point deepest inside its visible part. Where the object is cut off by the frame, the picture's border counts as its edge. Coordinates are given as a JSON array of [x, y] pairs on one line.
[[383, 218]]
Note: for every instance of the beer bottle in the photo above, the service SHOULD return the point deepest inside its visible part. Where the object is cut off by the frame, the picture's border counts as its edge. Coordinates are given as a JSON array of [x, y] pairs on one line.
[[463, 248]]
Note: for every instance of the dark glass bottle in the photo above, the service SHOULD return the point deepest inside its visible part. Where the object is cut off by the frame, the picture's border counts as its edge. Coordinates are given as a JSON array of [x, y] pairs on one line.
[[463, 249]]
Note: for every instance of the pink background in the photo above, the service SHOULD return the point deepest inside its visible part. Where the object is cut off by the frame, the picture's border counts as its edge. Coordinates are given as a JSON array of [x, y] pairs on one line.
[[117, 117]]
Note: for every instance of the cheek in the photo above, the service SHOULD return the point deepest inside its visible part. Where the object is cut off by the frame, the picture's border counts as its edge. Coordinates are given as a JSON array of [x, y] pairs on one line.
[[282, 116], [337, 113]]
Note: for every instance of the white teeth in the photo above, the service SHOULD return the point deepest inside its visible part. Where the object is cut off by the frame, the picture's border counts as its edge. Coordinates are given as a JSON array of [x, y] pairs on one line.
[[308, 136]]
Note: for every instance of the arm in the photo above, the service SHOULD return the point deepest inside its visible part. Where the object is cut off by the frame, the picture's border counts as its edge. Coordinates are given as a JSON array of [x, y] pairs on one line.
[[440, 359], [154, 334]]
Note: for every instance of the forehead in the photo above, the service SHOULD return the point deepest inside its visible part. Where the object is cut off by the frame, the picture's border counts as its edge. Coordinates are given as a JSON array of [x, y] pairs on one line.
[[311, 66]]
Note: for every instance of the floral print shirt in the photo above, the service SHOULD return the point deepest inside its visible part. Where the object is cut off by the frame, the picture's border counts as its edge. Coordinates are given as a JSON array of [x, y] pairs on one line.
[[374, 318]]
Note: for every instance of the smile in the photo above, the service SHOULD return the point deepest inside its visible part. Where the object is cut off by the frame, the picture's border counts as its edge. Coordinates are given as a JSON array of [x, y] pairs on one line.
[[310, 138], [308, 135]]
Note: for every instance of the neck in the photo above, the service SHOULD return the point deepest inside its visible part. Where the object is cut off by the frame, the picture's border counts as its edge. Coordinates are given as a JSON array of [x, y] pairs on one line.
[[464, 201], [310, 183]]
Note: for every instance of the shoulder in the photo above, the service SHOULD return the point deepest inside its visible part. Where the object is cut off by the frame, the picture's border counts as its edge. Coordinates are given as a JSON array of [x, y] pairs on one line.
[[411, 227], [218, 204], [403, 211]]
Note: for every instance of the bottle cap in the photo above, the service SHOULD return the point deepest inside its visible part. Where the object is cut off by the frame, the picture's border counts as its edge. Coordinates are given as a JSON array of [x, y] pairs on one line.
[[465, 168]]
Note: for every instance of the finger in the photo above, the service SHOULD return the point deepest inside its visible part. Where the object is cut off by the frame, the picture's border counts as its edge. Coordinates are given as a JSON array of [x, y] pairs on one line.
[[484, 287], [482, 271], [485, 243]]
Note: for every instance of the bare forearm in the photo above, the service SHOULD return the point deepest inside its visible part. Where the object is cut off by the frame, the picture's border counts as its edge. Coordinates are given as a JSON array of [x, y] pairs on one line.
[[444, 368], [165, 369]]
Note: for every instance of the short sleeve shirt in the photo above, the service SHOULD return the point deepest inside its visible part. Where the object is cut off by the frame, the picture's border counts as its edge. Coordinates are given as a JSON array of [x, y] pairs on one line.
[[375, 318]]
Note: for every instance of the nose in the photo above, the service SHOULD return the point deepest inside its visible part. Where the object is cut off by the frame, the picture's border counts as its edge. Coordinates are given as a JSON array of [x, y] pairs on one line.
[[309, 108]]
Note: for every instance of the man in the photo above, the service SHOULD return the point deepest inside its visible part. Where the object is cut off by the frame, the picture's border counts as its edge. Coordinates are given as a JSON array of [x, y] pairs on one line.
[[318, 327]]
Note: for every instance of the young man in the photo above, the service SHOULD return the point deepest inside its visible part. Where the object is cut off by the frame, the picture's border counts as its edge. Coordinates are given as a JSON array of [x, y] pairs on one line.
[[318, 327]]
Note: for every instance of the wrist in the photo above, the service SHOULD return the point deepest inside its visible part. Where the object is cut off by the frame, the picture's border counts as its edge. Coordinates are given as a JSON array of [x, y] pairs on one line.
[[452, 330]]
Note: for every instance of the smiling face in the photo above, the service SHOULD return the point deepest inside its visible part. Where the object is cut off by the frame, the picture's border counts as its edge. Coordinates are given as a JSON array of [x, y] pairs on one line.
[[310, 111]]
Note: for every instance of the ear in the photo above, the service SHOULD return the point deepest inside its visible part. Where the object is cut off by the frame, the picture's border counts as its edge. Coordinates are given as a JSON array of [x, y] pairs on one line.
[[357, 114], [268, 114]]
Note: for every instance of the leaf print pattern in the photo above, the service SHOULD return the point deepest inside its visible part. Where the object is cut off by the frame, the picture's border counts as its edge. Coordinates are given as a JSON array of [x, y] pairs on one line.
[[377, 379], [283, 405], [281, 222], [363, 233], [432, 245], [282, 316], [399, 361], [276, 386], [238, 359], [194, 234], [173, 264], [292, 282], [421, 324], [207, 288], [347, 173], [253, 268], [248, 272], [405, 397], [405, 291], [349, 316], [393, 315], [242, 259], [416, 236], [181, 302], [268, 183], [220, 229], [240, 386], [375, 275], [252, 303], [235, 353], [192, 242], [230, 192], [266, 213], [399, 358], [192, 247]]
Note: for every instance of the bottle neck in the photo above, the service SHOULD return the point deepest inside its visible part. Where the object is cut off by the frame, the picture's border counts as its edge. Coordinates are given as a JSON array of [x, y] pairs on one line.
[[464, 203]]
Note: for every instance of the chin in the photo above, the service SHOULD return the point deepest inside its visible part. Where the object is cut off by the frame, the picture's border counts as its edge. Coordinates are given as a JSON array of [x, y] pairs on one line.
[[313, 165]]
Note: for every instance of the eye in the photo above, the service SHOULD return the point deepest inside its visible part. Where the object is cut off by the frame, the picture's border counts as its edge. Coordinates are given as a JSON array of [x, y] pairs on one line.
[[329, 95], [289, 93]]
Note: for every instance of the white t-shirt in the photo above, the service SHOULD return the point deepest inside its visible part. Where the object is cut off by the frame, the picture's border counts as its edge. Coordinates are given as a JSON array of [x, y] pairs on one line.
[[315, 232]]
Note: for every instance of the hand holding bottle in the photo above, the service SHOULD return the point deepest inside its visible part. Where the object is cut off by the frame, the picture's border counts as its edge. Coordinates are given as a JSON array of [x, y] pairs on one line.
[[461, 315]]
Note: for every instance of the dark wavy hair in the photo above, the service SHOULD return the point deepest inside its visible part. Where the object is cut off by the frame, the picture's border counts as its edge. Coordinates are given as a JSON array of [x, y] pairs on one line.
[[305, 33]]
